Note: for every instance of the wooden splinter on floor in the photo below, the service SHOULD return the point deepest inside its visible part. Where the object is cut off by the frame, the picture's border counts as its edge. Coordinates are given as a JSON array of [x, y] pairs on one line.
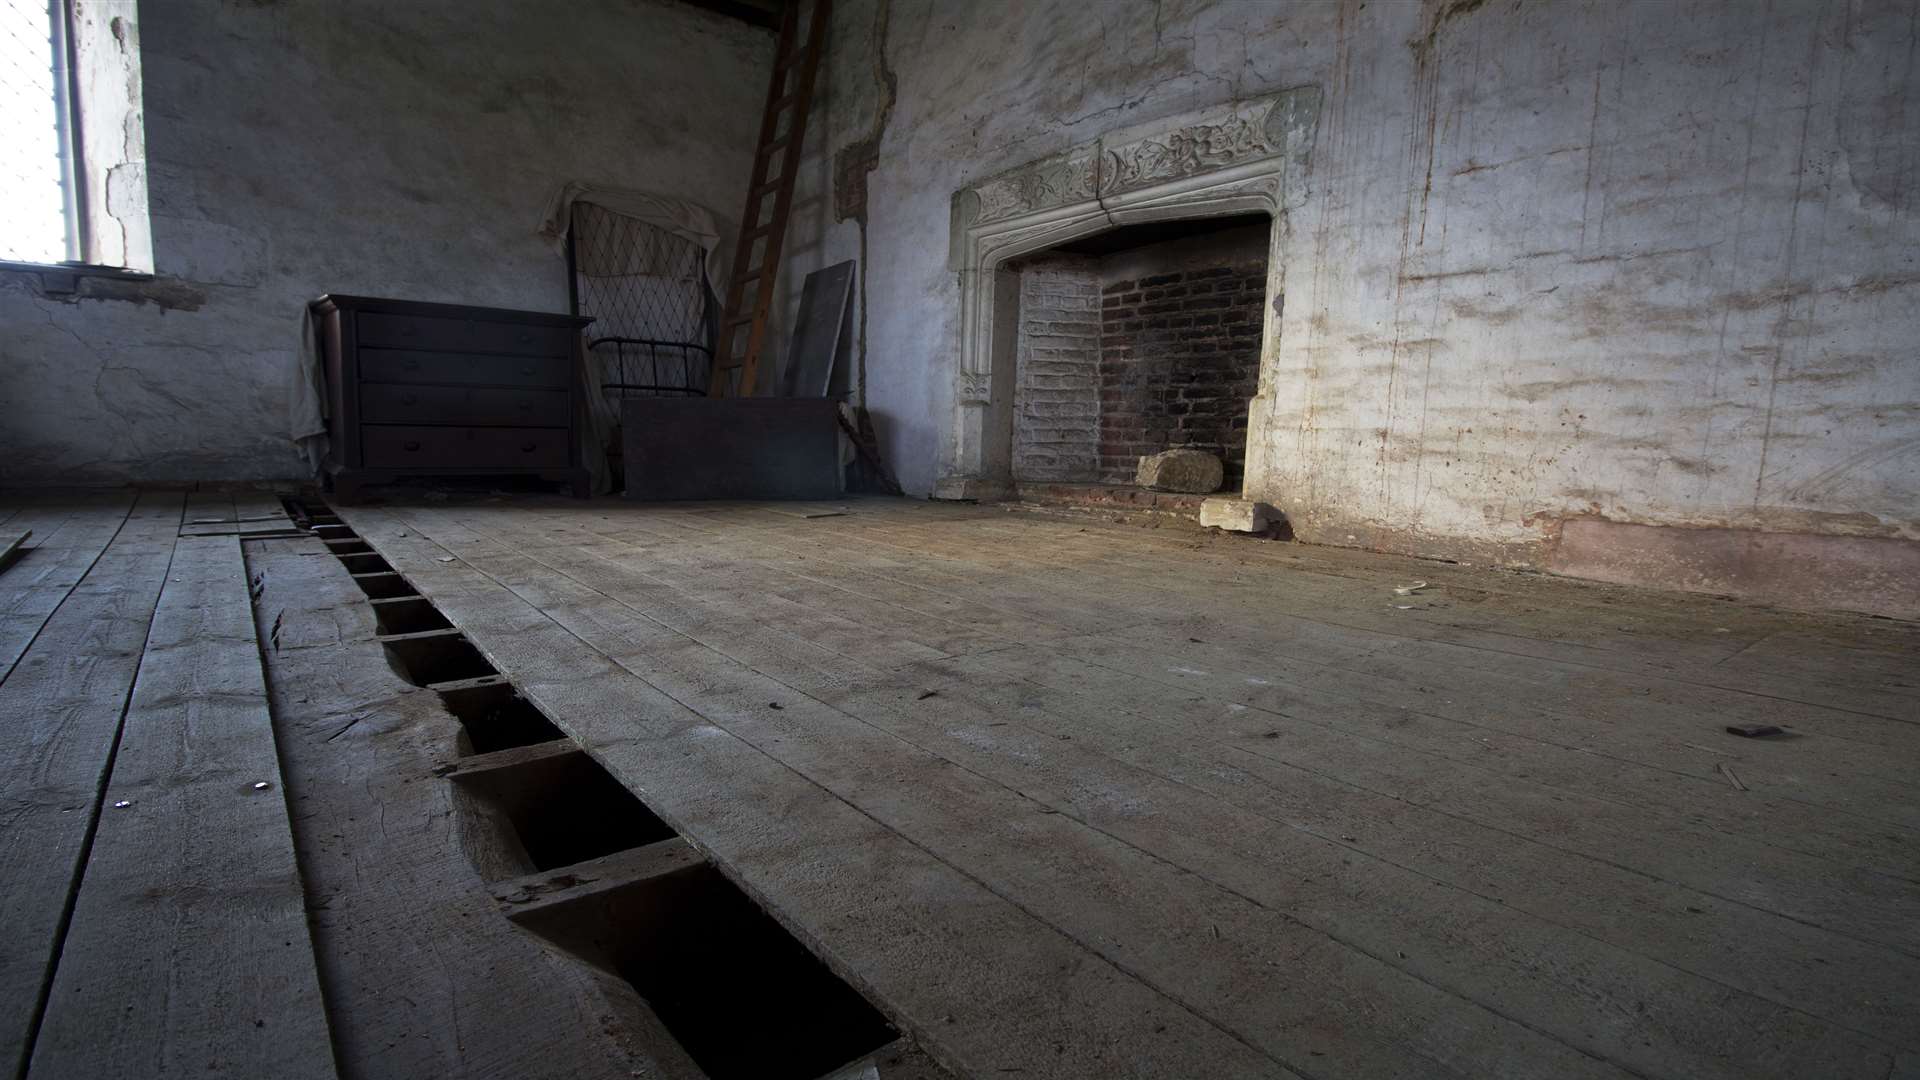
[[10, 546]]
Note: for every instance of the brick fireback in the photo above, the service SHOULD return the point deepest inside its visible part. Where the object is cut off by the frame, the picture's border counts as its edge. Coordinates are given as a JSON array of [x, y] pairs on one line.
[[1179, 364], [1132, 348]]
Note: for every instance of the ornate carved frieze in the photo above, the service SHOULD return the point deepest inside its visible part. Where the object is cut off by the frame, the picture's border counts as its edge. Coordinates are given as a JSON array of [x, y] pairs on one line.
[[1183, 152], [1054, 182], [1180, 147]]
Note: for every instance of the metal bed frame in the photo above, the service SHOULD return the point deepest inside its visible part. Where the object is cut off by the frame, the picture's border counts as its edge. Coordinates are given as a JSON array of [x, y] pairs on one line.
[[656, 361]]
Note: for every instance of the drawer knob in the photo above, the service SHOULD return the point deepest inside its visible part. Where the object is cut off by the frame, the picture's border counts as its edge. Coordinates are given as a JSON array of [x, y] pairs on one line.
[[408, 399], [411, 365], [527, 370], [410, 444], [528, 448]]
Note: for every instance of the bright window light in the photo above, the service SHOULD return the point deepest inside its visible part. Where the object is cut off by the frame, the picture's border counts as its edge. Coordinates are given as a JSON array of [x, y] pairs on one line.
[[36, 218]]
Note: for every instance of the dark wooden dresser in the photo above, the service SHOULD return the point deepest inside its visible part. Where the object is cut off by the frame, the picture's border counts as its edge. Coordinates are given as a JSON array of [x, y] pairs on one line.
[[419, 389]]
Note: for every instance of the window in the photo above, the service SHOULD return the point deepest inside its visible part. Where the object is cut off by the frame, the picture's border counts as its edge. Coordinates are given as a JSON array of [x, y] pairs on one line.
[[72, 152], [37, 218]]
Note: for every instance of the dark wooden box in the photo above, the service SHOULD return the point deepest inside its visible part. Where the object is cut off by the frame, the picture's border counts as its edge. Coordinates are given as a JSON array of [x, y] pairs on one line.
[[420, 389], [731, 448]]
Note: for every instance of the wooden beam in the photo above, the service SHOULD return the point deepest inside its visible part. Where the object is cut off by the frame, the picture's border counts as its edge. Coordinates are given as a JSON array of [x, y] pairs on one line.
[[552, 893]]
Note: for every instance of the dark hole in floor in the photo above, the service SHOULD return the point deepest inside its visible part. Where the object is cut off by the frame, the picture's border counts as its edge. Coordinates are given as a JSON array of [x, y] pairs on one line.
[[436, 657], [354, 546], [307, 514], [365, 562], [743, 996], [385, 585], [334, 532], [565, 808], [408, 615], [495, 717]]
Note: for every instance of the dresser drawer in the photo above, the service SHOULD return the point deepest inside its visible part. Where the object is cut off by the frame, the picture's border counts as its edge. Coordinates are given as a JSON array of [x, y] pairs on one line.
[[429, 334], [401, 366], [397, 446], [400, 403]]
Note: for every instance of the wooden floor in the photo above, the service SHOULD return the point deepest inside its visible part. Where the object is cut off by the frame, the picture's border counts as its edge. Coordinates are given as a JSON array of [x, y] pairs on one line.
[[1069, 799], [1062, 798], [155, 924]]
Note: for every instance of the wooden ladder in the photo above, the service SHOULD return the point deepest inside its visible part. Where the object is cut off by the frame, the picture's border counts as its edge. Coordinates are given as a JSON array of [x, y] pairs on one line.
[[790, 93]]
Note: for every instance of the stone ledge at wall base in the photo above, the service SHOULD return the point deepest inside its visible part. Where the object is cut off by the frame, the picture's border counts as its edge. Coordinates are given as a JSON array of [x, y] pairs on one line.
[[1872, 575], [1237, 515], [970, 489], [1193, 471]]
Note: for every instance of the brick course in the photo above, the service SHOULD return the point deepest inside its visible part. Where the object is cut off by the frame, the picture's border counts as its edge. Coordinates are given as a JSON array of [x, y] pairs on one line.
[[1108, 373], [1056, 399], [1179, 363]]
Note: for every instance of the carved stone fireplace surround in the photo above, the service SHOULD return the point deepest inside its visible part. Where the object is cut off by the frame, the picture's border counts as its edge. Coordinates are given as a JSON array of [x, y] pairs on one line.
[[1237, 158]]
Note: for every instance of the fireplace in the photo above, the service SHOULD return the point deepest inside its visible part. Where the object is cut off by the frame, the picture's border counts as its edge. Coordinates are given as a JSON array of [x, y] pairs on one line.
[[1079, 396], [1137, 340]]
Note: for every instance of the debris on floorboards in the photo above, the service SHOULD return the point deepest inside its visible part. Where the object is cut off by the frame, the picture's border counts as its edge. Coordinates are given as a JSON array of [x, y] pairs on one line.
[[10, 545]]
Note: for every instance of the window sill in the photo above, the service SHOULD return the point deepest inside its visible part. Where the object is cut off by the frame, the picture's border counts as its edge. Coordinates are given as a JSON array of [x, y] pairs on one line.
[[73, 271]]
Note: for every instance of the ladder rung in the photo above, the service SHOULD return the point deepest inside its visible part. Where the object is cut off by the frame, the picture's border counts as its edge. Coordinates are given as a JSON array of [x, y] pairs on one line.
[[795, 62]]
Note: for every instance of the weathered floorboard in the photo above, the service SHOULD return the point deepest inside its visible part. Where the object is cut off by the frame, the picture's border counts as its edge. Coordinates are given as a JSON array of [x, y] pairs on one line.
[[68, 537], [62, 705], [188, 951]]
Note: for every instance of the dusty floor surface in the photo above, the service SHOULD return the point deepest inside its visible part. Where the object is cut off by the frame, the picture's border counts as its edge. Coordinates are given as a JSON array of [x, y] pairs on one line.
[[1076, 800], [1062, 798]]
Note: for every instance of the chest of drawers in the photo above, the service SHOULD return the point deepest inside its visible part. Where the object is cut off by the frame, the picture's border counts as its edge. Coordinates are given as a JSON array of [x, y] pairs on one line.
[[417, 390]]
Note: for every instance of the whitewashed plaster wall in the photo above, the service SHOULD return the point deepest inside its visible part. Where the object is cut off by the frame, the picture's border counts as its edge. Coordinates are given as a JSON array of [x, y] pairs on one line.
[[1645, 261], [297, 147]]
